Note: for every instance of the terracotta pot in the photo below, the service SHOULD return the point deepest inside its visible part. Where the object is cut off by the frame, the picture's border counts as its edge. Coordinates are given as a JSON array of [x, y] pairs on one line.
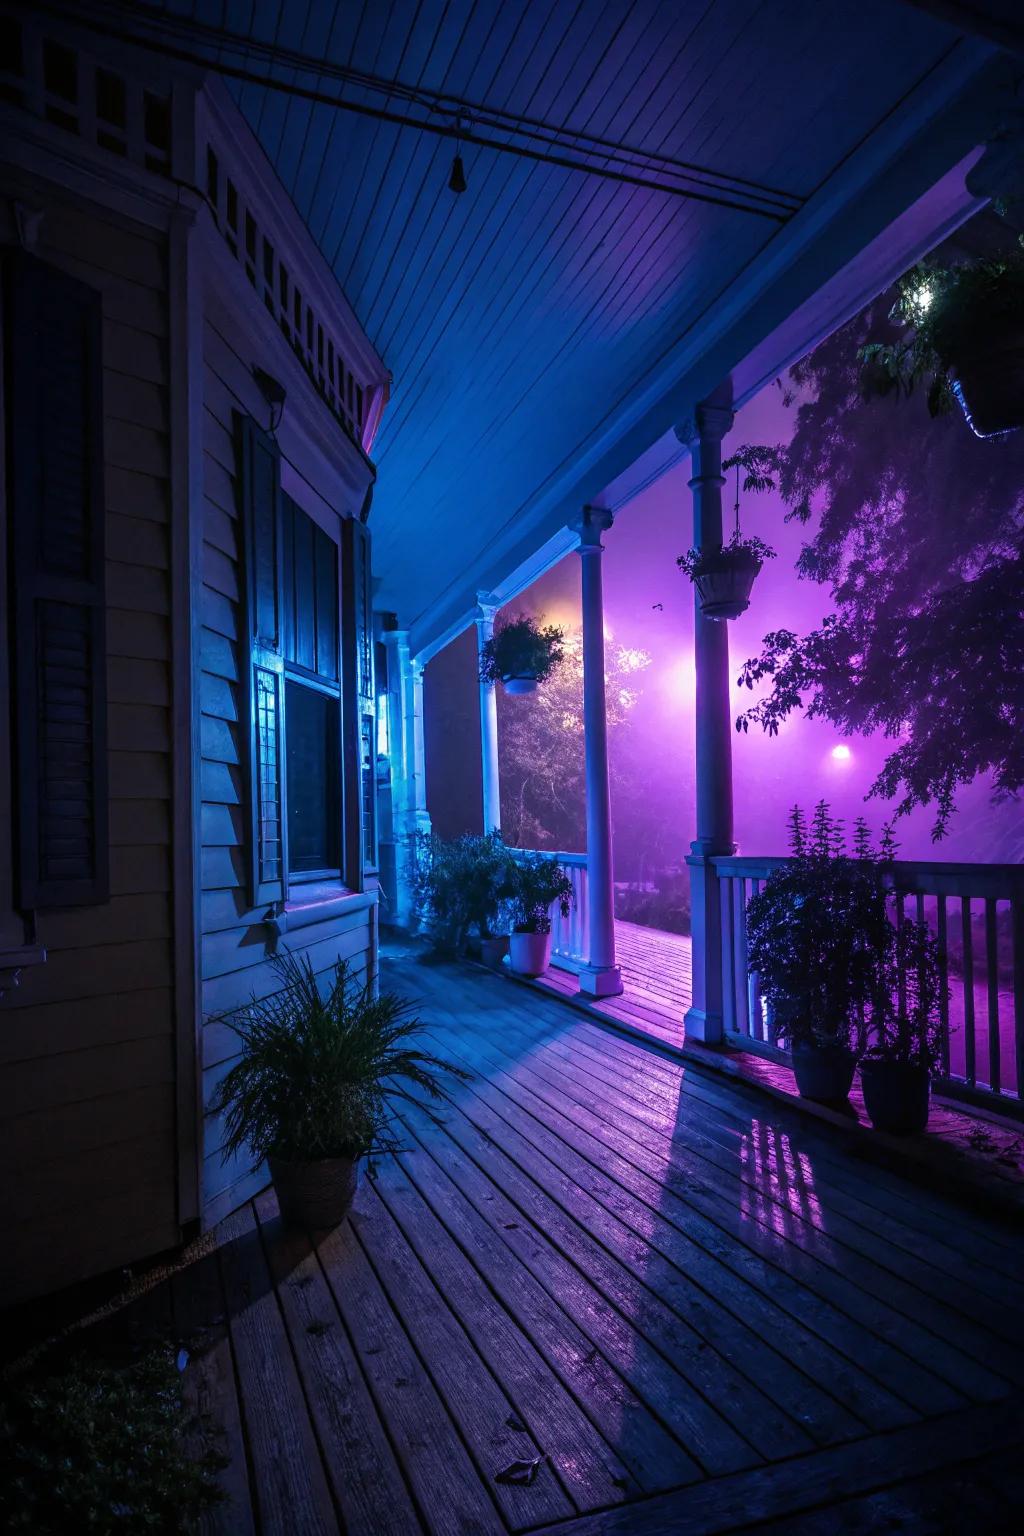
[[724, 582], [989, 383], [823, 1073], [529, 953], [519, 684], [316, 1194], [896, 1095], [493, 951]]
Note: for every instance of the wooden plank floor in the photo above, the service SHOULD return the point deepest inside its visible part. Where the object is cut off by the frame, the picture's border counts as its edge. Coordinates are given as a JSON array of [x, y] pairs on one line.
[[699, 1315], [657, 983]]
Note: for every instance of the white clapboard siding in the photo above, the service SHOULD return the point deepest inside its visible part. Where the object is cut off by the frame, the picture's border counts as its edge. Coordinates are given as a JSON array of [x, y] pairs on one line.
[[235, 949]]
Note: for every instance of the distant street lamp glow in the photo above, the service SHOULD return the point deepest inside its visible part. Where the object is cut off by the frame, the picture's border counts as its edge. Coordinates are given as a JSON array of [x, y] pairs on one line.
[[841, 753]]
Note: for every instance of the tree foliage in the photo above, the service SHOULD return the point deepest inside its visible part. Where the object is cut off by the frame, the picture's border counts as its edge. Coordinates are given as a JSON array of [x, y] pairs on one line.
[[919, 533], [543, 793]]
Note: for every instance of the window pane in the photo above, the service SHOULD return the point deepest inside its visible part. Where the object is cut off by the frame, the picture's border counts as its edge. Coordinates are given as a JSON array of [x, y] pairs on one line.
[[314, 780]]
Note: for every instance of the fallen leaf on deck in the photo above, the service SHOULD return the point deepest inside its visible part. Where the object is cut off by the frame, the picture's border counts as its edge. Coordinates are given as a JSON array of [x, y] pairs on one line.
[[521, 1473]]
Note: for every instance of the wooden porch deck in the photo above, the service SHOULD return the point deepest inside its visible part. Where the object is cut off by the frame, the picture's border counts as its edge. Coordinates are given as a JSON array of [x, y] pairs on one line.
[[699, 1318], [657, 983]]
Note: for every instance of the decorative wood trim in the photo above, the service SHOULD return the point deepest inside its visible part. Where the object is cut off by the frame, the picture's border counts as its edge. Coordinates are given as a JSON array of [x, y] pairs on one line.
[[186, 531], [309, 435]]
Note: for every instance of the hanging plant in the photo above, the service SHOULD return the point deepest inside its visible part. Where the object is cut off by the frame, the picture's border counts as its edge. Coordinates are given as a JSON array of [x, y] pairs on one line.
[[521, 654], [963, 342], [724, 575]]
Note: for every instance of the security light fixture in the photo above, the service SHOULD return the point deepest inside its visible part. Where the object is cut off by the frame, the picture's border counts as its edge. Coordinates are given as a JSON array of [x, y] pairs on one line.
[[273, 392]]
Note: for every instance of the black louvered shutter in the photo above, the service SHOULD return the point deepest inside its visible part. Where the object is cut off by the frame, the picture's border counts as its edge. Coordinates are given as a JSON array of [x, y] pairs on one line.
[[54, 386], [360, 704], [259, 480]]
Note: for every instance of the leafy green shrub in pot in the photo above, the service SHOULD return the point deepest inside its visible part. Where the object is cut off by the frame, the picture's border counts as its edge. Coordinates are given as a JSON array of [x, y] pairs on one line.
[[963, 340], [310, 1090], [457, 887], [521, 654], [535, 883], [905, 1032], [815, 933]]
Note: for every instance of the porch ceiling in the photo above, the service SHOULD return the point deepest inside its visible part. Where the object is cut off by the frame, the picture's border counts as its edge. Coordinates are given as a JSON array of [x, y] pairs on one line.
[[539, 326]]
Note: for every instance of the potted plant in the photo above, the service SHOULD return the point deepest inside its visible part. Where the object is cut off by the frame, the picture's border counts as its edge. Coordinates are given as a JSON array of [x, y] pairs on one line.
[[309, 1092], [724, 574], [534, 884], [814, 935], [905, 1034], [484, 876], [521, 653], [963, 340], [457, 893]]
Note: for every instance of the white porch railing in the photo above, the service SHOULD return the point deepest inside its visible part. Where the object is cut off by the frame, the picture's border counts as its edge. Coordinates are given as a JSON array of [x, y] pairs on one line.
[[570, 936], [976, 912]]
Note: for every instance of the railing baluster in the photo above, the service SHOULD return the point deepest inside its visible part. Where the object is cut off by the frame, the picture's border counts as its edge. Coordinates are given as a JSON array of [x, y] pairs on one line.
[[1017, 927], [967, 939], [740, 966], [901, 981], [728, 955], [943, 941], [755, 1012], [992, 982]]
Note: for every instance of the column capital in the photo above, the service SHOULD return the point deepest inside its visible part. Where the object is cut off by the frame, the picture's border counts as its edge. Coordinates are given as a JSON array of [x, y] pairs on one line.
[[709, 423], [487, 605], [395, 637], [591, 523]]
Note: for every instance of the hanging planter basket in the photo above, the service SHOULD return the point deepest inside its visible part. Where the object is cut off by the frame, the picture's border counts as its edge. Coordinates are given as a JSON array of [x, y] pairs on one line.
[[724, 580], [516, 685], [724, 576], [988, 381], [520, 654]]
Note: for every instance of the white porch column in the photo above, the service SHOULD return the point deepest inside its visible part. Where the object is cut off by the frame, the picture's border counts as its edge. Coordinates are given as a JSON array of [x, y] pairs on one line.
[[714, 727], [408, 778], [487, 607], [600, 977]]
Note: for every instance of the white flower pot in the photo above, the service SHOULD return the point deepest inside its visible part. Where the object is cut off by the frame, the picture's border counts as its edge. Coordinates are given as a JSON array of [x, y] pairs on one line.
[[519, 684], [529, 954]]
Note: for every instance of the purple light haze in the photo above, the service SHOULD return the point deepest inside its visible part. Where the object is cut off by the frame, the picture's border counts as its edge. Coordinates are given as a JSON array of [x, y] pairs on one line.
[[649, 604]]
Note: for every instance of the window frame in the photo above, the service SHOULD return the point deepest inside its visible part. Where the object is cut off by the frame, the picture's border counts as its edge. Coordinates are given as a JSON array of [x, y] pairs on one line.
[[295, 673]]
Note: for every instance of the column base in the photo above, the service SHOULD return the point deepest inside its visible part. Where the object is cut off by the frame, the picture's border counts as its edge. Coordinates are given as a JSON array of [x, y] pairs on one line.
[[706, 1027], [600, 981]]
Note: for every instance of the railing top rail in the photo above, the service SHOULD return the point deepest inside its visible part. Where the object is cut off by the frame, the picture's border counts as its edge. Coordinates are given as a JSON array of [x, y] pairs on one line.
[[577, 859], [924, 876]]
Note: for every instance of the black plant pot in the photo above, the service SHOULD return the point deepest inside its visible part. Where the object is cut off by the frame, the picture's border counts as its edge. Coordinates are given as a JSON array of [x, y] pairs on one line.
[[896, 1095], [316, 1194], [823, 1072], [724, 580], [989, 382]]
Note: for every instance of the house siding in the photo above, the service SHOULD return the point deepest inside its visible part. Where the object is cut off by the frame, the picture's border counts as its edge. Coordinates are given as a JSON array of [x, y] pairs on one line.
[[235, 938], [87, 1043]]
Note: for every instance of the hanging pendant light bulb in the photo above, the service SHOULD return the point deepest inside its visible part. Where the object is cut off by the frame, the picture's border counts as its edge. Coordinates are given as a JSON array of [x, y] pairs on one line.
[[457, 179]]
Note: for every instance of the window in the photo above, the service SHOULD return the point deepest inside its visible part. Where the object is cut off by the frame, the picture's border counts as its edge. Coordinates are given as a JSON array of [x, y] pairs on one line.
[[312, 716], [310, 696]]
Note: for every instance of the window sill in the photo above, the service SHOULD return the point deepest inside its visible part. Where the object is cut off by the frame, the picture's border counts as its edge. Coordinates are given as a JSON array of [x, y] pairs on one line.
[[14, 961], [319, 903]]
